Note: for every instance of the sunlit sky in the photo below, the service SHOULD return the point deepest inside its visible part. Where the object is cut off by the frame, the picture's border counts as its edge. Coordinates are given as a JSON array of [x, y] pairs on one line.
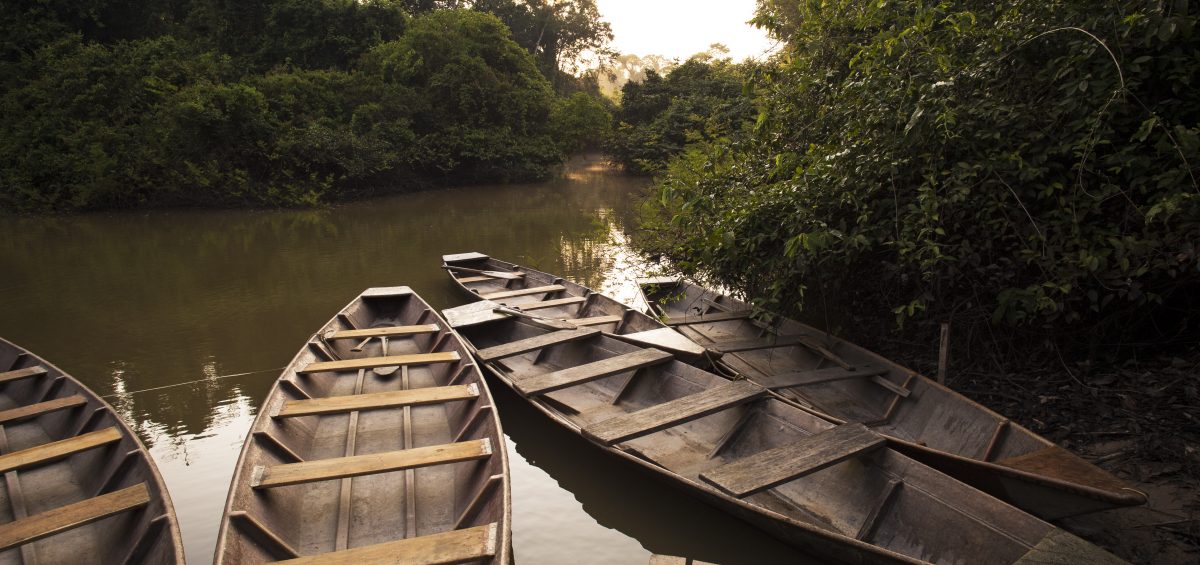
[[682, 28]]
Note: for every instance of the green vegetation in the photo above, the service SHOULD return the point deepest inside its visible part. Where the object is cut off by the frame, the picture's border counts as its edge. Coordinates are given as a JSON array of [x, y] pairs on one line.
[[1031, 164]]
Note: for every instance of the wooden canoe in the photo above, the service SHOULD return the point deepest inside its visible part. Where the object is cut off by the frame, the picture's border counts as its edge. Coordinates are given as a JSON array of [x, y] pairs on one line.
[[79, 486], [926, 420], [545, 295], [379, 443], [837, 491]]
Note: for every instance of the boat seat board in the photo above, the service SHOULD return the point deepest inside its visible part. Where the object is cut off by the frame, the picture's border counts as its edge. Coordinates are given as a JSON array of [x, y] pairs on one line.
[[589, 372], [550, 288], [18, 374], [779, 465], [553, 303], [72, 516], [461, 257], [757, 343], [595, 320], [378, 400], [537, 342], [471, 280], [455, 546], [665, 338], [387, 361], [357, 465], [706, 318], [817, 376], [56, 450], [673, 413], [393, 331], [34, 410]]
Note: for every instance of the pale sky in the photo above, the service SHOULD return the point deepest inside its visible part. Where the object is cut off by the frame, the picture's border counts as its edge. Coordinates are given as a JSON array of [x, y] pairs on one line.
[[682, 28]]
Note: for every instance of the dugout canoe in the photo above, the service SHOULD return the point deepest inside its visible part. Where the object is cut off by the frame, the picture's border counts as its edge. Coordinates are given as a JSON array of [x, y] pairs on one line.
[[548, 296], [79, 486], [924, 419], [837, 491], [379, 442]]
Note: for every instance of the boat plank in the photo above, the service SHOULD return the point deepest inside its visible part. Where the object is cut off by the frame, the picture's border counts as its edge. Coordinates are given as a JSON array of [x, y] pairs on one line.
[[378, 400], [548, 289], [553, 303], [537, 342], [18, 374], [673, 413], [55, 450], [72, 516], [386, 361], [393, 331], [779, 465], [34, 410], [817, 376], [706, 318], [665, 338], [589, 372], [455, 546], [357, 465], [595, 320], [752, 344]]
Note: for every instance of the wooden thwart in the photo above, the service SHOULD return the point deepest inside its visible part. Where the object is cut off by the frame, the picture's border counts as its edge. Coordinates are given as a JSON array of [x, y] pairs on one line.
[[388, 361], [768, 342], [595, 320], [774, 467], [673, 413], [34, 410], [378, 400], [524, 291], [705, 318], [72, 516], [553, 303], [455, 546], [533, 343], [18, 374], [589, 372], [356, 465], [394, 331], [817, 376], [56, 450]]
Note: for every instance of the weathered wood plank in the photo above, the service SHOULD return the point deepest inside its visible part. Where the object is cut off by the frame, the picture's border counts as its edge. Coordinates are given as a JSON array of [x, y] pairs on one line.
[[357, 465], [817, 376], [445, 548], [469, 280], [34, 410], [72, 516], [779, 465], [589, 372], [766, 342], [378, 400], [537, 342], [665, 338], [463, 257], [673, 413], [548, 289], [393, 331], [553, 303], [594, 320], [387, 361], [18, 374], [55, 450], [487, 275], [705, 318]]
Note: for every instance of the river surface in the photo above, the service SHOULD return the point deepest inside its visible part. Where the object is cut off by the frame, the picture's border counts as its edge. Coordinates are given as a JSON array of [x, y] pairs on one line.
[[185, 318]]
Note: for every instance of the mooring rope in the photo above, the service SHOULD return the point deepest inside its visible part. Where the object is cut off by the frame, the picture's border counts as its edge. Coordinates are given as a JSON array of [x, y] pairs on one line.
[[206, 379]]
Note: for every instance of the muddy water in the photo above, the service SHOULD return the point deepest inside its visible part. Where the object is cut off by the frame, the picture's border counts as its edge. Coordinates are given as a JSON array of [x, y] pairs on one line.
[[186, 317]]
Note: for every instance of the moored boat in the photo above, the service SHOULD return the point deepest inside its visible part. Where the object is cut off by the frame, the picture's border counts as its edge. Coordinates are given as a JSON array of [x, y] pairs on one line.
[[925, 420], [379, 442], [79, 486], [838, 491]]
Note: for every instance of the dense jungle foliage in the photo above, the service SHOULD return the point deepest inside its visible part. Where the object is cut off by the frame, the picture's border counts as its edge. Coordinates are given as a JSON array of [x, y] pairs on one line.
[[120, 103], [1031, 164]]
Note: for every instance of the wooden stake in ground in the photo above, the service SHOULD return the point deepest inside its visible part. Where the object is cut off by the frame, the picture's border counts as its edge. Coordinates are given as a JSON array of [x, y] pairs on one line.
[[944, 354]]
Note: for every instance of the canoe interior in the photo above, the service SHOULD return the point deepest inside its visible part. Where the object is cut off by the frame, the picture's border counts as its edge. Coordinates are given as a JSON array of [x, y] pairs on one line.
[[879, 505], [337, 514], [939, 425], [30, 495]]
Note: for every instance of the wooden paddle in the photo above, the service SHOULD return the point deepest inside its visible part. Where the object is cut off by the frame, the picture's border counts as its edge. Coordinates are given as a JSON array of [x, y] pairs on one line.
[[493, 274]]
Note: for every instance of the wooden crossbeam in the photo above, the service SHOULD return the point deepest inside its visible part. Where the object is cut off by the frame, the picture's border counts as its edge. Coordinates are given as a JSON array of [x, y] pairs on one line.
[[673, 413], [33, 410], [56, 450], [524, 292], [378, 400], [469, 280], [72, 516], [589, 372], [706, 318], [394, 331], [552, 303], [595, 320], [18, 374], [537, 342], [770, 342], [445, 548], [779, 465], [357, 465], [817, 376], [387, 361]]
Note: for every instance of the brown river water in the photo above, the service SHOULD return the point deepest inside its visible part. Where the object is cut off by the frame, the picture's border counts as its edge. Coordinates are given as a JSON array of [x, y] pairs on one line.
[[185, 318]]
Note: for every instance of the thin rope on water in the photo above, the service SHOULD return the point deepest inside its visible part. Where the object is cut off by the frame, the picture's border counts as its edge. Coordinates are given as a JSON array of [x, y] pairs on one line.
[[206, 379]]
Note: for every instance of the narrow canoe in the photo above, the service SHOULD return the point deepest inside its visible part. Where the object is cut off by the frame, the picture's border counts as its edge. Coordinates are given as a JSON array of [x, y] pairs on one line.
[[545, 295], [79, 486], [837, 491], [379, 443], [925, 420]]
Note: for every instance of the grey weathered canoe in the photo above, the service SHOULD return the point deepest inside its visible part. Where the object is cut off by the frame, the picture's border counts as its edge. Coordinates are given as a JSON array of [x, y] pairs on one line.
[[379, 442], [79, 487], [545, 295], [926, 420], [837, 491]]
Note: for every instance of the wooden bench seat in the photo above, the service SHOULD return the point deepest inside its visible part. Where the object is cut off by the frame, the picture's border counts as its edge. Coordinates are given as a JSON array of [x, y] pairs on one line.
[[706, 318], [56, 450], [357, 465], [589, 372], [394, 331], [481, 278], [50, 522], [378, 400], [548, 289], [553, 303], [766, 342], [18, 374], [455, 546], [817, 376], [34, 410], [673, 413], [537, 342], [594, 320], [779, 465], [387, 361]]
